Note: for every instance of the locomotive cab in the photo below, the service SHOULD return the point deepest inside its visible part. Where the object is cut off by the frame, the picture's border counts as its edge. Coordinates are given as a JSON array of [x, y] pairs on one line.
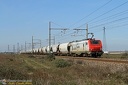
[[95, 47]]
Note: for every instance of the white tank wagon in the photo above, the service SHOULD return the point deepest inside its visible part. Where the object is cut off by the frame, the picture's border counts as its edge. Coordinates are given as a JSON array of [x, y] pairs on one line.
[[47, 49], [22, 52], [51, 49], [79, 48], [28, 51], [63, 49], [44, 49], [54, 49], [40, 50], [36, 50]]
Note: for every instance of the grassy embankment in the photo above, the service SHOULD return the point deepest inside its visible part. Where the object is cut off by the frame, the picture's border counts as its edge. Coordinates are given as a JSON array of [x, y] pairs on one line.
[[43, 71], [117, 56]]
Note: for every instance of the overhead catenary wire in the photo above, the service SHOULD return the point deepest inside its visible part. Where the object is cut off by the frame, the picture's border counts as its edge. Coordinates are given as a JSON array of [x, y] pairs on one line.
[[114, 21], [91, 13], [53, 28], [110, 26], [95, 11], [110, 22], [106, 23], [112, 16], [61, 35], [59, 28], [104, 13], [108, 11]]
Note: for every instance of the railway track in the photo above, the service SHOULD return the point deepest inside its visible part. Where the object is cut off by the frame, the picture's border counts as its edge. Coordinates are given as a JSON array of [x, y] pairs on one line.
[[96, 59], [93, 59]]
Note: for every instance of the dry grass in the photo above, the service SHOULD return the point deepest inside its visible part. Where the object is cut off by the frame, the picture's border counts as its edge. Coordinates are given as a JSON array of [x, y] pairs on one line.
[[117, 56], [45, 72]]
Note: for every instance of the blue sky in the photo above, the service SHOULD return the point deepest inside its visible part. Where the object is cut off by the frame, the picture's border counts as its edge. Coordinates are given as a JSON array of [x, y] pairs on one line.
[[22, 19]]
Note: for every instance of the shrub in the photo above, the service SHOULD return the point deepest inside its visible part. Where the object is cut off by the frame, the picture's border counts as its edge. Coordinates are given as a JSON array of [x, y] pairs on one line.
[[40, 77], [11, 73], [1, 83], [62, 63], [50, 57], [124, 55]]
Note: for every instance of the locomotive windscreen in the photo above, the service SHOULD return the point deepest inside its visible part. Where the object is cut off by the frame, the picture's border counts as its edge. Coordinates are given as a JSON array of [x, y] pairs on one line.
[[95, 41]]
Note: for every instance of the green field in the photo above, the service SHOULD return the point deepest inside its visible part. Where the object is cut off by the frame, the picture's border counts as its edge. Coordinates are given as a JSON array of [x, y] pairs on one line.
[[117, 56], [44, 70]]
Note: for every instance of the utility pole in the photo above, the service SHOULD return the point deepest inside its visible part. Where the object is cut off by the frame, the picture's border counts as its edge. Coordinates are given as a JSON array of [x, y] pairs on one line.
[[104, 40], [54, 40], [21, 48], [49, 36], [18, 48], [32, 44], [64, 29], [35, 43], [8, 48], [86, 31], [13, 48], [25, 46]]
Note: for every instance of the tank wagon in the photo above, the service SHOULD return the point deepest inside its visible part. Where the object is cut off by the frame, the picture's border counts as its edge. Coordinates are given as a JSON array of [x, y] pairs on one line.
[[86, 47]]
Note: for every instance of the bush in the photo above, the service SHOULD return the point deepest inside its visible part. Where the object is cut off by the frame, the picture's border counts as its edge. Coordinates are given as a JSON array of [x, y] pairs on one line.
[[1, 83], [124, 55], [50, 57], [12, 73], [62, 63]]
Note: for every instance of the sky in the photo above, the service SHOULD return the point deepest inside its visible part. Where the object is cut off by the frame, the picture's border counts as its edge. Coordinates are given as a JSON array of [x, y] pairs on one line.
[[22, 19]]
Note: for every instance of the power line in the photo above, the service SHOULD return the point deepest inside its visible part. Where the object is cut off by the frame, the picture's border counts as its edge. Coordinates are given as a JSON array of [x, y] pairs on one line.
[[62, 30], [110, 22], [92, 13], [117, 26], [109, 11], [104, 13], [61, 38], [99, 16], [57, 24], [113, 27], [112, 16]]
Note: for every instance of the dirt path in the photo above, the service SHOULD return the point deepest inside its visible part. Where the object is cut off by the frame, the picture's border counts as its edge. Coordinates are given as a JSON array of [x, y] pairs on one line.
[[34, 63]]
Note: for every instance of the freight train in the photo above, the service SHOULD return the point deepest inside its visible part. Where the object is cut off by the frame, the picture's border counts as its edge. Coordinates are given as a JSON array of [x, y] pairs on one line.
[[86, 47]]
